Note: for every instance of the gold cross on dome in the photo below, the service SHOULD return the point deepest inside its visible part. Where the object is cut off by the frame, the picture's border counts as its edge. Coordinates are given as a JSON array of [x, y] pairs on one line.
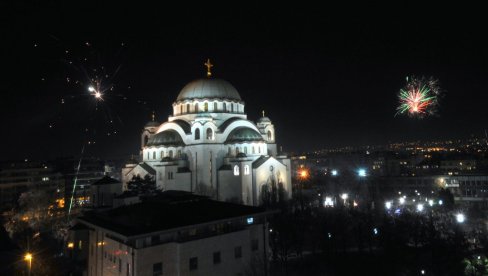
[[153, 115], [263, 113], [209, 66]]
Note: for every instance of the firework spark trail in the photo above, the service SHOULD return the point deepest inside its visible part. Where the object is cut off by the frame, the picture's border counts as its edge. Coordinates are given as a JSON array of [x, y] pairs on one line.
[[76, 179], [419, 98]]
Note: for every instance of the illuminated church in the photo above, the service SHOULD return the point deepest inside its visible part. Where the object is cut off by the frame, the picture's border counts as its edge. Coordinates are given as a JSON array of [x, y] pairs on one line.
[[209, 147]]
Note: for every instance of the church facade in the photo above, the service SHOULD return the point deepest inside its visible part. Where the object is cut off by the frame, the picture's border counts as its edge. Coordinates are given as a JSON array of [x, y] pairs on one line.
[[209, 147]]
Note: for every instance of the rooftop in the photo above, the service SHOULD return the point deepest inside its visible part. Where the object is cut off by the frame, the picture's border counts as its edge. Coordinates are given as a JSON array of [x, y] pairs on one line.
[[171, 209]]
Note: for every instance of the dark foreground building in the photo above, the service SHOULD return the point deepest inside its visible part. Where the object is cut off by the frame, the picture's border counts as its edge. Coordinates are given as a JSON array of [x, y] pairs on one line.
[[175, 233]]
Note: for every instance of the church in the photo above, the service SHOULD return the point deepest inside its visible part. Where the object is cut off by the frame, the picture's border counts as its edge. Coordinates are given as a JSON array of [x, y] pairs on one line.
[[209, 147]]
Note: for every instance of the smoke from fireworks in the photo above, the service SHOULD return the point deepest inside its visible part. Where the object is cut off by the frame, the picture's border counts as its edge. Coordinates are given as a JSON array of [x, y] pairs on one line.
[[419, 98]]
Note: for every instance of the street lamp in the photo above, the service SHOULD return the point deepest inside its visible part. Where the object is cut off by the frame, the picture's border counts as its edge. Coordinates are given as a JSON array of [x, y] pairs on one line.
[[460, 218], [28, 258], [361, 172], [334, 172], [302, 175]]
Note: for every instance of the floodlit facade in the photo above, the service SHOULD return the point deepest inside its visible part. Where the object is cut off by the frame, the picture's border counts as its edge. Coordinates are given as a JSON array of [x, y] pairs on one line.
[[208, 146]]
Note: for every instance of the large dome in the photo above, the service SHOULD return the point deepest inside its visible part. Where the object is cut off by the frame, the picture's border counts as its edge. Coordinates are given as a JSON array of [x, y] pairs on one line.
[[208, 89], [166, 138], [243, 134]]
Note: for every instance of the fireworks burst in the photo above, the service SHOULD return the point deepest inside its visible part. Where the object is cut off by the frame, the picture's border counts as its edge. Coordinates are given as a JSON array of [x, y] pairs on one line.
[[419, 97]]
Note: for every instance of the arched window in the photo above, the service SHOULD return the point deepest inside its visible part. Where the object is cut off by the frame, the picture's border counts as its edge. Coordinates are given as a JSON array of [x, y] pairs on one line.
[[246, 169], [162, 154], [205, 107], [209, 134], [187, 108], [170, 154], [154, 155], [245, 149], [197, 134], [270, 136], [236, 170], [215, 106], [259, 149], [227, 108], [148, 155], [231, 107], [196, 107], [253, 150], [237, 150], [145, 140], [229, 153], [179, 154]]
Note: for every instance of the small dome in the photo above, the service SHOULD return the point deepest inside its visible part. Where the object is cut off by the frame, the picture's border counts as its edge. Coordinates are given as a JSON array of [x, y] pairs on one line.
[[208, 89], [243, 134], [167, 138], [152, 124], [264, 120]]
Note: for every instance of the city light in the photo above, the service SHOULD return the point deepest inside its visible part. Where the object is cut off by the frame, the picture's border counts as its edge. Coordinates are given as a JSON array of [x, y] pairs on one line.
[[303, 173], [362, 172], [28, 257], [388, 205], [328, 202], [440, 202], [375, 231], [334, 172], [91, 89], [402, 200], [344, 196], [420, 207], [460, 218], [431, 202], [71, 245]]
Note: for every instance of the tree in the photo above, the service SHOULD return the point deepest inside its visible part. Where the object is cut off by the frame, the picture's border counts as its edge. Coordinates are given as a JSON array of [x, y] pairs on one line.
[[143, 186], [447, 198]]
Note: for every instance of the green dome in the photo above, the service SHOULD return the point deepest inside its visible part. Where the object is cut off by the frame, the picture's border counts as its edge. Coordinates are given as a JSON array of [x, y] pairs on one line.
[[243, 134], [208, 89], [166, 138]]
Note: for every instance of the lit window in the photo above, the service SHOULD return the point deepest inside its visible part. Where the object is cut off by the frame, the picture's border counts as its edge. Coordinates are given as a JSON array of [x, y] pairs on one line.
[[196, 107], [205, 107], [246, 169], [236, 170], [209, 134], [270, 136]]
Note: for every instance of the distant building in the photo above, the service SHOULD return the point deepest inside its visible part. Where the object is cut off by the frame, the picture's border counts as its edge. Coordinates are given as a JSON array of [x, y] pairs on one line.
[[175, 233], [22, 176], [208, 146], [104, 191]]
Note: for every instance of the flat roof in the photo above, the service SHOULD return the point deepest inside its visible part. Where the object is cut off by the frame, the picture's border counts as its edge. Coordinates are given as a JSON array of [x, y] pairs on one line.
[[172, 209]]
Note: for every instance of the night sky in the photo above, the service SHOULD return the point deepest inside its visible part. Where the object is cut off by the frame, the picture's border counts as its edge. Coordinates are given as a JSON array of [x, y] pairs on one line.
[[326, 76]]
